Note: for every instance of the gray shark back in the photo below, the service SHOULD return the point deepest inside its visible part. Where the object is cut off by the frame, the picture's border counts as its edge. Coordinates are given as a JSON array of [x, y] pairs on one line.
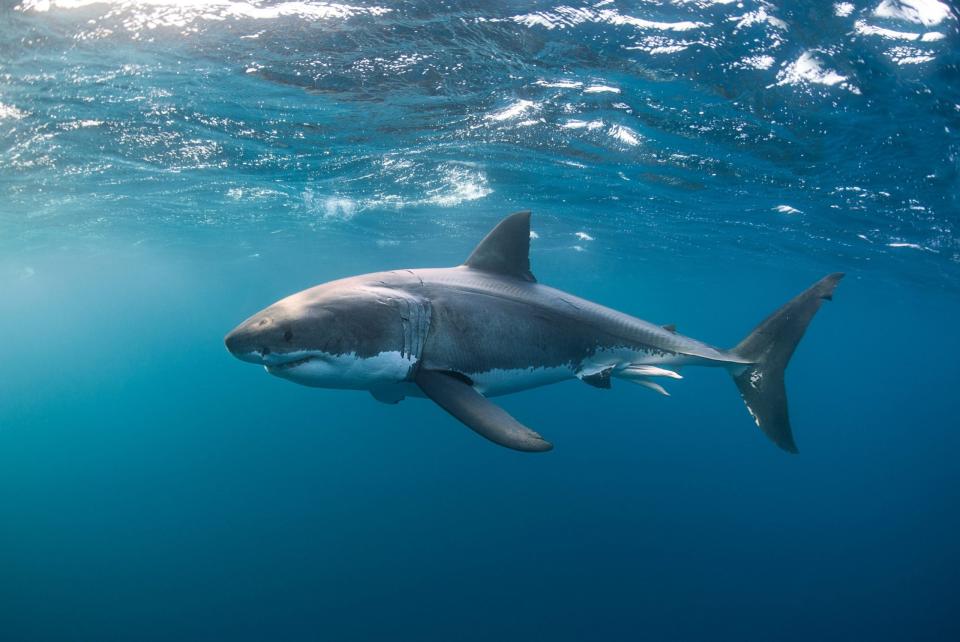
[[458, 335], [483, 321]]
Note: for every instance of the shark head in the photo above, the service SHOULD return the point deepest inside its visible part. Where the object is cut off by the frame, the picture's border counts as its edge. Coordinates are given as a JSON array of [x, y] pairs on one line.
[[343, 334]]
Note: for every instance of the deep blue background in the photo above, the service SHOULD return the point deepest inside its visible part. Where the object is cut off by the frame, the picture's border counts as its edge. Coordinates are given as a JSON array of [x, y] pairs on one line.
[[154, 488]]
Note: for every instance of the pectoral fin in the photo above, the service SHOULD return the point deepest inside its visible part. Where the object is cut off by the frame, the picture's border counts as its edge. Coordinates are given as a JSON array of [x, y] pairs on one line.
[[458, 397]]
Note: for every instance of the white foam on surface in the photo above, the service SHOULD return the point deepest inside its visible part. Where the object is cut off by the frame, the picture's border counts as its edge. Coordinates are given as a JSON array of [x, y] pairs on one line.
[[666, 49], [843, 9], [808, 69], [515, 110], [757, 62], [457, 183], [924, 12], [601, 89], [213, 9], [904, 55], [327, 207], [80, 124], [9, 112], [139, 16], [787, 209], [564, 17], [625, 135], [255, 193], [760, 16], [615, 18], [560, 84], [582, 124], [861, 27], [911, 246]]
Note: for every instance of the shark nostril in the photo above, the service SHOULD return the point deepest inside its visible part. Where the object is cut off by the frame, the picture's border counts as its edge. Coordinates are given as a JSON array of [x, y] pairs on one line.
[[287, 336], [264, 351]]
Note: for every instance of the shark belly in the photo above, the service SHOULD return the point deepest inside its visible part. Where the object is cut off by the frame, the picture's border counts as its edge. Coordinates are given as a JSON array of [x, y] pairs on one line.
[[492, 383], [346, 371]]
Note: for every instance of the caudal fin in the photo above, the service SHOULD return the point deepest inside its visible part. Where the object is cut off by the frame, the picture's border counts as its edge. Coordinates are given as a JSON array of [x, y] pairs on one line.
[[769, 348]]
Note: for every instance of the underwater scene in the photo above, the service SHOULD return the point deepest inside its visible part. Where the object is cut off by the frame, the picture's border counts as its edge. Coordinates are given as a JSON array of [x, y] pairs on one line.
[[169, 169]]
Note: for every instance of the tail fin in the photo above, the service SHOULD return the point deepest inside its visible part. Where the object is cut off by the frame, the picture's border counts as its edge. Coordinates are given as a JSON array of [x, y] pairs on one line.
[[769, 347]]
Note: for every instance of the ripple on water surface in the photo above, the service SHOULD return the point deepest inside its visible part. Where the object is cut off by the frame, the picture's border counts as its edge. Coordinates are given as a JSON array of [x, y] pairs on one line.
[[826, 127]]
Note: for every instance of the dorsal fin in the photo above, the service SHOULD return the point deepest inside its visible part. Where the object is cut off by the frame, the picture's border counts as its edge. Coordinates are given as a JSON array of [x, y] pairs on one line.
[[506, 249]]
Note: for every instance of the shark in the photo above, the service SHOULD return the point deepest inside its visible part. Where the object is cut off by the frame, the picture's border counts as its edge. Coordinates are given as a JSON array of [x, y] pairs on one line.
[[462, 335]]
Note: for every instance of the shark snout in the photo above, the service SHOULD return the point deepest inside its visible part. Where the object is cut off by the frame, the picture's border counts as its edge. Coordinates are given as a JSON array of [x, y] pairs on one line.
[[248, 341], [243, 351]]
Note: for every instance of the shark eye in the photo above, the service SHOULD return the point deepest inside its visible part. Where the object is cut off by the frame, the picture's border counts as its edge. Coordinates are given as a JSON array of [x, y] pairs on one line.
[[287, 336]]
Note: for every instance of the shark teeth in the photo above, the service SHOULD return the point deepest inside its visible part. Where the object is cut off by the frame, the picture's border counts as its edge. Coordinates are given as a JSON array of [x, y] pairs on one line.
[[289, 364]]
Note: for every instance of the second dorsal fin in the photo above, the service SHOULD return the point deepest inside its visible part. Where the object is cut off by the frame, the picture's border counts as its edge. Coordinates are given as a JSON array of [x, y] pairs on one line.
[[506, 249]]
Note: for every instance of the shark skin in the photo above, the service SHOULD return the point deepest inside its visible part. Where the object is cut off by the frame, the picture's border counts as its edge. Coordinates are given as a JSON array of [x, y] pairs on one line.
[[464, 334]]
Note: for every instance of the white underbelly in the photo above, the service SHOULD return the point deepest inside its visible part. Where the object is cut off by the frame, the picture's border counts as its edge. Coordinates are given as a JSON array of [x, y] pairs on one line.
[[502, 382], [490, 384], [347, 370]]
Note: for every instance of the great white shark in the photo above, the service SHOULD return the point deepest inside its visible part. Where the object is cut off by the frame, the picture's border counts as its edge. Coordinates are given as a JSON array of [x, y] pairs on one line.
[[485, 328]]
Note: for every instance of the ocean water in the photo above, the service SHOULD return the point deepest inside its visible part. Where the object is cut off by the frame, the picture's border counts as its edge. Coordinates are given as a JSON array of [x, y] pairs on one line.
[[168, 168]]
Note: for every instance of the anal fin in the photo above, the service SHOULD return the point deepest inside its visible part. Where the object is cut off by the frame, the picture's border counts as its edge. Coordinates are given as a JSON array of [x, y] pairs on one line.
[[458, 397]]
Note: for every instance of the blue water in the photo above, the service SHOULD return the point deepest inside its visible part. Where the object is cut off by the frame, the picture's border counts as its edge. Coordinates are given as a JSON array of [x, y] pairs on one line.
[[168, 168]]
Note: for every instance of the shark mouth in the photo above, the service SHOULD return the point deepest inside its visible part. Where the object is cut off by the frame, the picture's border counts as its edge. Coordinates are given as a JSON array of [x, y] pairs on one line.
[[288, 365]]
